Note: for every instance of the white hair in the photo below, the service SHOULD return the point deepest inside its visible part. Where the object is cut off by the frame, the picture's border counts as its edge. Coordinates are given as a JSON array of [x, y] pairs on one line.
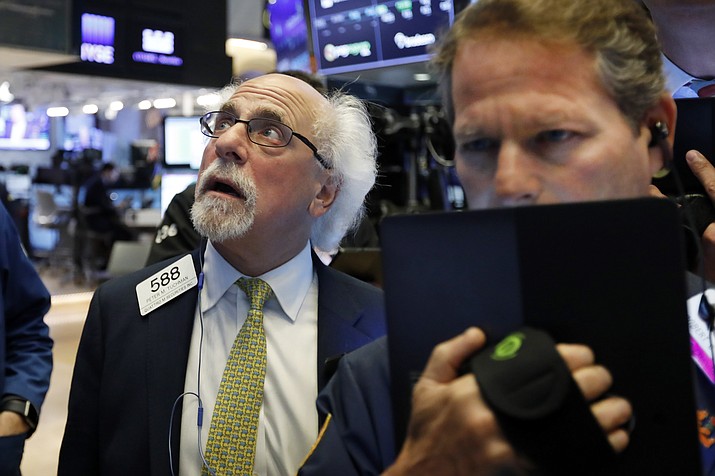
[[224, 94], [344, 137]]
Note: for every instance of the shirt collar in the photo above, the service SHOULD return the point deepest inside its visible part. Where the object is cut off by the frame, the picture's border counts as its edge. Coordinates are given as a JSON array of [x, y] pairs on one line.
[[675, 77], [290, 281]]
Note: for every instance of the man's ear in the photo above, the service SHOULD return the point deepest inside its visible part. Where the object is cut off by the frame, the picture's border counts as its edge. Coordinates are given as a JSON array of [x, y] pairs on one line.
[[659, 130], [325, 197]]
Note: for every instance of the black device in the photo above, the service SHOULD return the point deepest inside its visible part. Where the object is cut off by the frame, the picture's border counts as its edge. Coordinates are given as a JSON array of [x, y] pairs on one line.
[[694, 129], [659, 132], [607, 274]]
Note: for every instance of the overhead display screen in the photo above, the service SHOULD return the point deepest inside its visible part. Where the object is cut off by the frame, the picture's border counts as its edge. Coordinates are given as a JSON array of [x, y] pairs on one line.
[[151, 43], [289, 34], [98, 38], [38, 25], [352, 35], [148, 40]]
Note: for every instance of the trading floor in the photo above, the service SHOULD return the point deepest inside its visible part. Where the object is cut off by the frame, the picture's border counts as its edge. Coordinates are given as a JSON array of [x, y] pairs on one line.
[[66, 317]]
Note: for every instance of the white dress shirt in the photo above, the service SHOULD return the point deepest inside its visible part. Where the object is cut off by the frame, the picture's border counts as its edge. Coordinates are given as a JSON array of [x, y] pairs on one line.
[[288, 420]]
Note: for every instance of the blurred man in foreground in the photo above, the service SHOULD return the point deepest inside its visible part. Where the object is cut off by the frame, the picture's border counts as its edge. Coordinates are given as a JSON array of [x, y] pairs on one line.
[[550, 101]]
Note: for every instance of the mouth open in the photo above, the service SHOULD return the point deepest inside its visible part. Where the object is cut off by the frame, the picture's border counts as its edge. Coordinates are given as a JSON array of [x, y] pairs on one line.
[[225, 189]]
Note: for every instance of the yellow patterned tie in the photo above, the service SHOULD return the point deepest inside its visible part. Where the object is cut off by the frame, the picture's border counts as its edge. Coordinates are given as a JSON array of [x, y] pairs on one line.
[[231, 445]]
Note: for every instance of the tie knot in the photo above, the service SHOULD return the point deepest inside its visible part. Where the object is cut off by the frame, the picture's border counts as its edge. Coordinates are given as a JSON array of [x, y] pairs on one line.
[[257, 290]]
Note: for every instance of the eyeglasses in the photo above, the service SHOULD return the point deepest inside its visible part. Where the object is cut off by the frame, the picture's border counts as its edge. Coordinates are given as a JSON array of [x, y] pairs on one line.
[[265, 132]]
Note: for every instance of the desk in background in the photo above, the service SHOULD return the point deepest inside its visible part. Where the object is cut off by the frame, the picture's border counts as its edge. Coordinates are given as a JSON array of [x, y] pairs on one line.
[[143, 220]]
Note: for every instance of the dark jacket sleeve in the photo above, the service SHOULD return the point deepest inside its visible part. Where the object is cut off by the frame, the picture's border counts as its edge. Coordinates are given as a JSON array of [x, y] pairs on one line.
[[26, 346], [357, 436], [176, 234]]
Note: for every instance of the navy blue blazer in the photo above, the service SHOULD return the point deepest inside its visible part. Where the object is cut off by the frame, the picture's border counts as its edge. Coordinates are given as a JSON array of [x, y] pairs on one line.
[[131, 369], [358, 439]]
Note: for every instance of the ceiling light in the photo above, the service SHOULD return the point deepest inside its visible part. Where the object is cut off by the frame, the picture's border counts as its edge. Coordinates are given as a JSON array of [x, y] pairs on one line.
[[116, 105], [57, 111], [206, 100], [144, 105], [233, 43], [422, 77], [164, 103], [5, 94], [90, 109]]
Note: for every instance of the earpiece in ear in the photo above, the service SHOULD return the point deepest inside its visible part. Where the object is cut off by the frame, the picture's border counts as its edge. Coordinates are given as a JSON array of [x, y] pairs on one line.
[[659, 132]]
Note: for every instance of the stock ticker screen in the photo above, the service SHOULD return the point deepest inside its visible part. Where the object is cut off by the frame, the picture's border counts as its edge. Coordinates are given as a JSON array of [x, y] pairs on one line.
[[353, 35]]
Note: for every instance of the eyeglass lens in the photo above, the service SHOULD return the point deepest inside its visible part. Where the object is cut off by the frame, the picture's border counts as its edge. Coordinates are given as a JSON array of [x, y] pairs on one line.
[[261, 131]]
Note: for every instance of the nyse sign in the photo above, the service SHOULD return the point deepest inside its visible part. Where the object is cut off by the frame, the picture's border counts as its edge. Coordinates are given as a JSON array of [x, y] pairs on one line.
[[97, 39], [157, 41], [157, 48], [97, 53]]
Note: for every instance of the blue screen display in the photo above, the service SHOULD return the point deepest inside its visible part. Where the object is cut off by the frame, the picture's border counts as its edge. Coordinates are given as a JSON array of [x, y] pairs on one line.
[[352, 35], [23, 129], [289, 35]]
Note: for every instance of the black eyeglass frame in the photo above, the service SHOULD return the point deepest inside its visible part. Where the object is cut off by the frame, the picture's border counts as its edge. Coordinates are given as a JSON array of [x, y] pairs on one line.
[[206, 130]]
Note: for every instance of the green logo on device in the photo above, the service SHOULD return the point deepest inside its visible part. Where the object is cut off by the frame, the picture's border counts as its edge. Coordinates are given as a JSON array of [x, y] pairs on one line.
[[509, 347]]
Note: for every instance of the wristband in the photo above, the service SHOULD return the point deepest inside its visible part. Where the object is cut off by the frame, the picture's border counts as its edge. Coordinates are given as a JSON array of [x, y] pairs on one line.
[[23, 407]]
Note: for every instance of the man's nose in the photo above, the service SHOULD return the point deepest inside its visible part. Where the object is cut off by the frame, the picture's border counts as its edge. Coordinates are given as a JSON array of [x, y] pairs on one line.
[[516, 181], [233, 144]]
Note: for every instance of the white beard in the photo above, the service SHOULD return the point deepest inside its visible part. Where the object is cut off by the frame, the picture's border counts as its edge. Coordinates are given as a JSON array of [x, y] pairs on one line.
[[222, 218]]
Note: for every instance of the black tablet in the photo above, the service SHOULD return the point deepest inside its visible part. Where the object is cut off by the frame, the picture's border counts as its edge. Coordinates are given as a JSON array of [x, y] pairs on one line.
[[607, 274]]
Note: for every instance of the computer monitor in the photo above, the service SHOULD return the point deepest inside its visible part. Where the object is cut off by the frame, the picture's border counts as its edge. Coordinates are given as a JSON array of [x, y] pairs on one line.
[[23, 129], [173, 183], [365, 34], [183, 142]]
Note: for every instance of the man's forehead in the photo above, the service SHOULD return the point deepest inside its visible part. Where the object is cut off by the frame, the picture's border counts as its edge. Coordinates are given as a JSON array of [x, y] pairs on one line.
[[282, 94], [518, 85], [497, 116], [506, 55], [548, 75], [280, 85]]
